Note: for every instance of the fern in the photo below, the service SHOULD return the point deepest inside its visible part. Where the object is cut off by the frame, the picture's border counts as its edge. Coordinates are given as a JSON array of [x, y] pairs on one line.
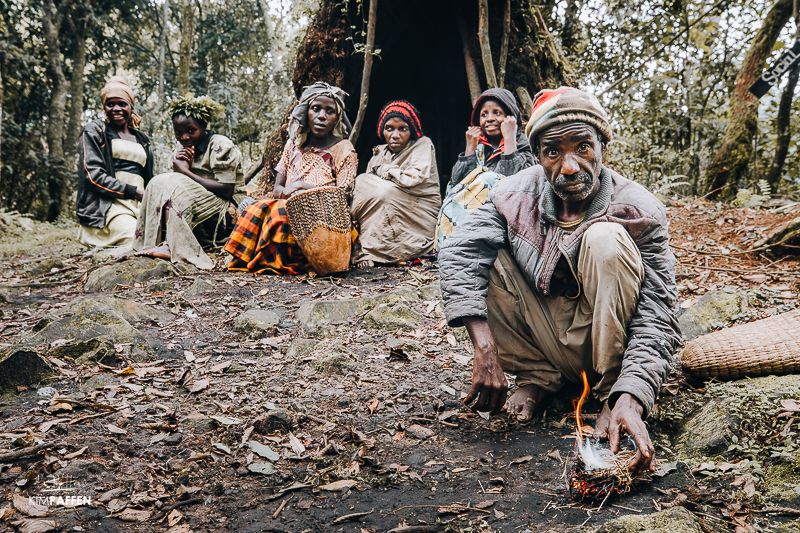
[[764, 187]]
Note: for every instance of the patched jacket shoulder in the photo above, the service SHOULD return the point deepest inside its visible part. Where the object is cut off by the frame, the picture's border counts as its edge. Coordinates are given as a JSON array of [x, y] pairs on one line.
[[628, 192]]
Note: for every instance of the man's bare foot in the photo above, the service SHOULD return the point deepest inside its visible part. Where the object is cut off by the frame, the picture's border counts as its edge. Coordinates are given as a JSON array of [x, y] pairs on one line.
[[160, 252], [601, 428], [365, 264], [523, 403]]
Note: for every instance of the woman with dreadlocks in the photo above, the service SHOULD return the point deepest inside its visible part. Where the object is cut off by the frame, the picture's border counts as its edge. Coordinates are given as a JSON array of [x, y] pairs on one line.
[[397, 201], [317, 154], [116, 162], [189, 208]]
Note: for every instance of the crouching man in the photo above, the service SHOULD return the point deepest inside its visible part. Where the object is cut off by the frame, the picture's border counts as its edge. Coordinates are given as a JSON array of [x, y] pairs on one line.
[[567, 268]]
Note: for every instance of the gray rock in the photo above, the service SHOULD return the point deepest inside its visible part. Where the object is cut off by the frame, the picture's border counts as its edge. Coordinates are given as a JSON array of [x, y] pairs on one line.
[[273, 420], [173, 440], [79, 469], [707, 431], [45, 266], [673, 520], [301, 347], [782, 483], [431, 292], [85, 352], [100, 324], [136, 270], [257, 323], [333, 358], [98, 381], [788, 527], [131, 310], [391, 317], [21, 365], [313, 315], [418, 432], [201, 425], [198, 287], [460, 334], [46, 392], [715, 309], [159, 286]]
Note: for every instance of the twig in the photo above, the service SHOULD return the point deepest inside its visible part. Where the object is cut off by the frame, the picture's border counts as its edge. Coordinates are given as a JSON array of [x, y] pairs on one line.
[[428, 528], [483, 38], [12, 456], [784, 510], [501, 76], [745, 252], [168, 508], [351, 516], [283, 504], [626, 508], [453, 506], [740, 271], [365, 75]]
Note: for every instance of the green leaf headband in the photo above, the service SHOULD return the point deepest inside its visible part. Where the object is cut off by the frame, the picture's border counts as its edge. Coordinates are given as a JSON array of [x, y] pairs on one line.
[[202, 108]]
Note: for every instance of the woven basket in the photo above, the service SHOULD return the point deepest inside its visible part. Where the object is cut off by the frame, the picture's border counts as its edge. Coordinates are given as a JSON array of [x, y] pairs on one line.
[[320, 223], [768, 346]]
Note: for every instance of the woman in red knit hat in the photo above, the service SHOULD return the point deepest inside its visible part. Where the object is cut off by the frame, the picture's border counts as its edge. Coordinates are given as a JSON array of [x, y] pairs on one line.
[[397, 201]]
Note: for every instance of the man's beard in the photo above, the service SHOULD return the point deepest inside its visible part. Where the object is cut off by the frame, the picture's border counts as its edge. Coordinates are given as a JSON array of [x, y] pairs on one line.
[[587, 184]]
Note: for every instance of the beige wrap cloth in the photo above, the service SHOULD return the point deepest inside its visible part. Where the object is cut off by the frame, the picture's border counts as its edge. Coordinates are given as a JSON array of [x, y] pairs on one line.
[[396, 204]]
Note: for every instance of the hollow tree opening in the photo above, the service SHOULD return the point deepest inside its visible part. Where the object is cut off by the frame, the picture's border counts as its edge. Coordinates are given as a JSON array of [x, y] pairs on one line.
[[423, 48]]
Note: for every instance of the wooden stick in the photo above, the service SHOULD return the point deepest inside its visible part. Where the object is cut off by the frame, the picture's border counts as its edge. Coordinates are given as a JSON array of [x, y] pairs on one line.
[[504, 43], [283, 504], [365, 75], [253, 171], [12, 456], [739, 271], [486, 49], [526, 100], [352, 516], [469, 62]]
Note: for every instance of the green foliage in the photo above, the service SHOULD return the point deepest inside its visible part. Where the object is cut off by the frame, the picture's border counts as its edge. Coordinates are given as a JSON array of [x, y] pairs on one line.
[[202, 108]]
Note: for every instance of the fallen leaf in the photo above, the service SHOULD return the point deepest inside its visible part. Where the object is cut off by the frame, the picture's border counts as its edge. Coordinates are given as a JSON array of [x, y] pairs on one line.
[[221, 366], [174, 517], [264, 451], [26, 506], [30, 525], [5, 514], [524, 459], [555, 454], [73, 455], [262, 468], [199, 385], [183, 528], [457, 470], [116, 430], [339, 485], [226, 420], [297, 446], [749, 488], [792, 406], [462, 359], [189, 356], [133, 515], [221, 447], [499, 514], [116, 505], [45, 427], [485, 504], [373, 405]]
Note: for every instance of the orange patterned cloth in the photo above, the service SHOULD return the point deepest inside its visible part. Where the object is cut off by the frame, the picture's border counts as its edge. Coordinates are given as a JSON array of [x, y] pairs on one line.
[[262, 240]]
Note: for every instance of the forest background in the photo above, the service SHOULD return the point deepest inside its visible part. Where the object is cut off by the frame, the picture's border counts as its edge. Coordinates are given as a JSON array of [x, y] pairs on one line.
[[666, 70]]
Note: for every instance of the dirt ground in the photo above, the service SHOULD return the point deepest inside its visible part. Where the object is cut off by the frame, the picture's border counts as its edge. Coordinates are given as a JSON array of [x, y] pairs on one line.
[[378, 443]]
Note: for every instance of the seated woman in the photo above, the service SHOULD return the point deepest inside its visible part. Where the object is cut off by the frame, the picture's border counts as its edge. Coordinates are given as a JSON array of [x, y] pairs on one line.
[[495, 124], [316, 155], [189, 208], [397, 201], [116, 162]]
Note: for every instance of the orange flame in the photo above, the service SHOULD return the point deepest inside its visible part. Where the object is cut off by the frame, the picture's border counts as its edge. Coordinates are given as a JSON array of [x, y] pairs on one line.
[[580, 404]]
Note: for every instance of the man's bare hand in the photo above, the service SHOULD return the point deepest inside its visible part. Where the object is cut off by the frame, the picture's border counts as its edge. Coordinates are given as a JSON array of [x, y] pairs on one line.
[[489, 384], [627, 416]]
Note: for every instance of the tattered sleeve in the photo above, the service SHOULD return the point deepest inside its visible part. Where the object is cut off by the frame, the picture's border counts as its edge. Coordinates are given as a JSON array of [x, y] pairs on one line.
[[345, 165], [225, 159]]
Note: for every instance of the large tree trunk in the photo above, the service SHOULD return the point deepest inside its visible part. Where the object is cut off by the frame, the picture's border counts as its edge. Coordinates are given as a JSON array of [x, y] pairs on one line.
[[76, 85], [162, 55], [571, 32], [51, 23], [784, 129], [736, 151], [185, 49]]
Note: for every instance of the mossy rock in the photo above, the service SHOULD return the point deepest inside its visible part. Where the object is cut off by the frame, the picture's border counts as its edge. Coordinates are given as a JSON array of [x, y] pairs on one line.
[[98, 381], [301, 347], [782, 483], [131, 310], [788, 527], [389, 317], [333, 358], [673, 520], [314, 315], [45, 266], [102, 324], [707, 431], [86, 352], [257, 323], [136, 270], [716, 309], [199, 286], [431, 292], [21, 365]]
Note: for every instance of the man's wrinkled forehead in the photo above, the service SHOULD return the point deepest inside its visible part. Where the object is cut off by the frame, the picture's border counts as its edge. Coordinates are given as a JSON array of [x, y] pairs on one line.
[[569, 131]]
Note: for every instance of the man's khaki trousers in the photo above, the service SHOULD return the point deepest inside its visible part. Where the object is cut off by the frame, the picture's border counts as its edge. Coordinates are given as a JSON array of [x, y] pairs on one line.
[[546, 340]]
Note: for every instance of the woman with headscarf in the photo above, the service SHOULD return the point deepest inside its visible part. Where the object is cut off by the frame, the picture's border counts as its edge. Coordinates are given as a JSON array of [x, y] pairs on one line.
[[495, 132], [116, 163], [317, 154], [396, 202], [189, 208]]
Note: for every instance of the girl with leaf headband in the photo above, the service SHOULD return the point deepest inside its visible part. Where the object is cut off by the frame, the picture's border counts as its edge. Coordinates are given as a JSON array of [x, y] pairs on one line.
[[195, 205]]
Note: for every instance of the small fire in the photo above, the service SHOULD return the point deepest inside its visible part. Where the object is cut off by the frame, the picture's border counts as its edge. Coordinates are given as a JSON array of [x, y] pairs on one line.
[[598, 473]]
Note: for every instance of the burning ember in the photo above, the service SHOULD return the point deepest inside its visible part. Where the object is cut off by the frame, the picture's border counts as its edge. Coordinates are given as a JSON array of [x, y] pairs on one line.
[[598, 473]]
